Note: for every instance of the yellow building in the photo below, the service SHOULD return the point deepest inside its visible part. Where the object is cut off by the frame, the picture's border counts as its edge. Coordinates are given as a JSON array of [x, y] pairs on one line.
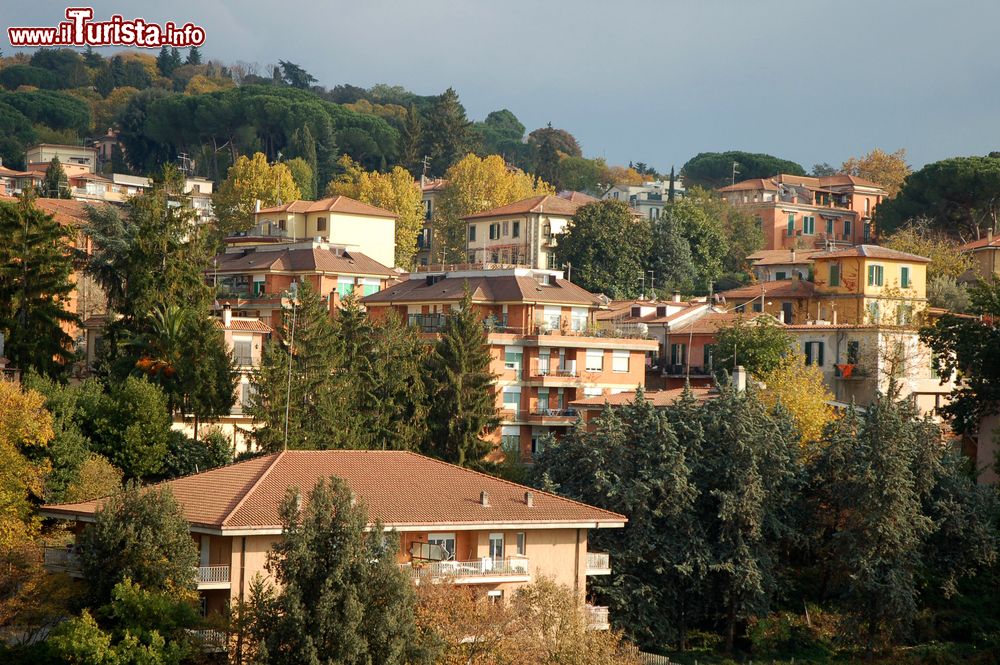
[[985, 254], [869, 284], [522, 233]]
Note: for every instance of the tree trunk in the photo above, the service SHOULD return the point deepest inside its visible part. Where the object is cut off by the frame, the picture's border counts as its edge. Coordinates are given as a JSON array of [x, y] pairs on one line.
[[731, 626]]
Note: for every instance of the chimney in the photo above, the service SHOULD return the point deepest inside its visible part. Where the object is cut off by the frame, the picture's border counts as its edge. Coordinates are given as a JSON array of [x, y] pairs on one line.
[[529, 499], [740, 379], [677, 296], [298, 502], [227, 316], [781, 316], [793, 255], [989, 231], [484, 498], [833, 318], [256, 206]]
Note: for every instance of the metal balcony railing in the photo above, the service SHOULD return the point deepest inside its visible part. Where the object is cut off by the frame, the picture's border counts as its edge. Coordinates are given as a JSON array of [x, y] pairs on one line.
[[598, 617], [484, 567], [213, 574], [598, 563]]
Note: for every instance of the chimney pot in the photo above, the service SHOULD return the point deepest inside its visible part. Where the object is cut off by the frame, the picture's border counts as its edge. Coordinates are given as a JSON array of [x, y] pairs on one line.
[[484, 498], [529, 499], [677, 296], [740, 379], [227, 315]]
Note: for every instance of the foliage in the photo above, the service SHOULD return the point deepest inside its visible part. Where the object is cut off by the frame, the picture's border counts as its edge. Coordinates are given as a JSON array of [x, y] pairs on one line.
[[96, 478], [186, 456], [800, 389], [608, 247], [25, 429], [946, 259], [704, 236], [561, 140], [446, 132], [715, 169], [138, 535], [249, 180], [305, 179], [501, 133], [461, 404], [55, 184], [889, 170], [739, 228], [129, 425], [475, 185], [547, 161], [945, 292], [35, 285], [295, 76], [759, 345], [968, 345], [342, 597], [958, 195], [395, 191], [32, 599], [579, 174]]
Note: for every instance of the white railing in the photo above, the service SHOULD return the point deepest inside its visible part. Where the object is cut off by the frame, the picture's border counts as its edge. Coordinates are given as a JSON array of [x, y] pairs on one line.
[[598, 617], [485, 567], [211, 640], [213, 574], [598, 561], [62, 558]]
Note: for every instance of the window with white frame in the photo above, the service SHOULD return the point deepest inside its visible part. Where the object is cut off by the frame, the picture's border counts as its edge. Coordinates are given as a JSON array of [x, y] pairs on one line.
[[579, 318], [512, 398], [595, 360], [619, 360]]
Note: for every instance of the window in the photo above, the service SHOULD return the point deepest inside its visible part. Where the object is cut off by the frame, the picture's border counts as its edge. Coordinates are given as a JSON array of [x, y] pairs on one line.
[[543, 400], [370, 286], [709, 355], [578, 317], [781, 274], [758, 307], [510, 440], [506, 228], [472, 233], [496, 546], [742, 307], [546, 230], [320, 224], [512, 357], [847, 229], [814, 353], [619, 360], [512, 399], [494, 231], [904, 314], [446, 541], [786, 312], [791, 224], [904, 277], [242, 352], [829, 228], [853, 352], [345, 286], [515, 229], [875, 275], [522, 548], [808, 225], [428, 209], [246, 395], [874, 312], [834, 274], [678, 354], [595, 360]]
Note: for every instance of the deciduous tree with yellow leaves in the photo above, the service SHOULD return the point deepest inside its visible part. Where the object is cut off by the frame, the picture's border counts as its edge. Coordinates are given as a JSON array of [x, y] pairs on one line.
[[25, 429], [476, 184], [800, 389], [886, 169], [395, 191], [251, 179]]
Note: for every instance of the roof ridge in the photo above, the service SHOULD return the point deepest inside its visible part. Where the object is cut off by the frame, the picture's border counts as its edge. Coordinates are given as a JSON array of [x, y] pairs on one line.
[[243, 499], [510, 482]]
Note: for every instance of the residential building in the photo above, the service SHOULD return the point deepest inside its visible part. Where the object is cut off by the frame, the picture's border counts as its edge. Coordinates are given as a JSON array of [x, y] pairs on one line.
[[522, 233], [807, 212], [455, 525], [245, 338], [548, 349], [776, 264], [200, 192], [15, 183], [74, 159], [590, 408], [256, 280], [985, 254], [788, 300], [430, 192], [648, 199], [691, 346], [337, 220]]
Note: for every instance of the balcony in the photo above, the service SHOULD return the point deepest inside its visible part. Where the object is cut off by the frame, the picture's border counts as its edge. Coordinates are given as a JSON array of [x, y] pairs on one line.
[[598, 617], [212, 641], [548, 375], [66, 560], [544, 416], [598, 563], [486, 570], [426, 322]]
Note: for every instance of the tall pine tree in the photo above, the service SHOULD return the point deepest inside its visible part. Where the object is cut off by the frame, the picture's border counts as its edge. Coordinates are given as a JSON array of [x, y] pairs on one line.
[[55, 185], [447, 132]]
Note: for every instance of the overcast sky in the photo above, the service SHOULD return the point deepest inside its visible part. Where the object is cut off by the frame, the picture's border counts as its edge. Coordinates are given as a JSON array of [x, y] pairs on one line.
[[649, 81]]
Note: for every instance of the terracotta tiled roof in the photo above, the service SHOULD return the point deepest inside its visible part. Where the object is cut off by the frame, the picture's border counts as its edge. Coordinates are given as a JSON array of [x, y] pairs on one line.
[[547, 204], [342, 204], [654, 397], [713, 321], [779, 288], [753, 184], [982, 243], [871, 252], [242, 324], [68, 212], [772, 257], [399, 488], [433, 185], [316, 259], [11, 173], [577, 197], [498, 288], [810, 182]]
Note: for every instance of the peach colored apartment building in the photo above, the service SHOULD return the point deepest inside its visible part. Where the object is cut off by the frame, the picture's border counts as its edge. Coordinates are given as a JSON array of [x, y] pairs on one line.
[[454, 525], [807, 212], [548, 349]]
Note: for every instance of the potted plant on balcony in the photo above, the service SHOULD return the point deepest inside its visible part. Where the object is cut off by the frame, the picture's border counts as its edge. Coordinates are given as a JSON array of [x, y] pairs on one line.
[[846, 370]]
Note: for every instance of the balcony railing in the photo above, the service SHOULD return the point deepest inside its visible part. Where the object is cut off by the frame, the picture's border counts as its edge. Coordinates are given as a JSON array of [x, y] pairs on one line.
[[211, 640], [486, 568], [598, 617], [553, 413], [66, 560], [598, 563], [213, 575], [426, 322], [547, 370]]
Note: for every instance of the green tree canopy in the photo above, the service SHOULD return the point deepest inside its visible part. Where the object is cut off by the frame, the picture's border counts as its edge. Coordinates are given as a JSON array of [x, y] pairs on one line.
[[715, 169], [758, 344]]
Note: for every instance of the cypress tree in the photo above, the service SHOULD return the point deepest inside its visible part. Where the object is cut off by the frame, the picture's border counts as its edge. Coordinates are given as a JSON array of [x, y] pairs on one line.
[[55, 185], [547, 165], [35, 270], [412, 137], [459, 386]]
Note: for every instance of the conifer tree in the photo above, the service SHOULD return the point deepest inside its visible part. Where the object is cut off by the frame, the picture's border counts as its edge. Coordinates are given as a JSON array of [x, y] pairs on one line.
[[446, 132], [342, 598], [306, 396], [547, 165], [35, 270], [194, 56], [55, 185], [462, 407], [412, 137]]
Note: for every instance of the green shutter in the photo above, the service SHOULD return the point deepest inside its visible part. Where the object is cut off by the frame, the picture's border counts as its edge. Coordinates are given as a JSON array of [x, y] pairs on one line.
[[904, 277], [871, 275], [834, 274], [791, 224]]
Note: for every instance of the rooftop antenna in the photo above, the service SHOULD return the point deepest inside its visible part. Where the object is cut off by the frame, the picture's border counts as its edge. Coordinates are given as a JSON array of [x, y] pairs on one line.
[[294, 289], [735, 171], [185, 161], [652, 289]]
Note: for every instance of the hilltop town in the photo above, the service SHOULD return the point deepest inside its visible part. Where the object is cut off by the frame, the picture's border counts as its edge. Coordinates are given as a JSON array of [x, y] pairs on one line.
[[305, 374]]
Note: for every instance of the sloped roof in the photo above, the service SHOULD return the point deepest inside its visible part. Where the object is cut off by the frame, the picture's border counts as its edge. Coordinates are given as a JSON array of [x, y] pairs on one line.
[[811, 182], [68, 212], [658, 398], [710, 323], [752, 184], [577, 197], [340, 203], [433, 185], [243, 324], [776, 257], [871, 252], [399, 488], [484, 288], [779, 288], [547, 204], [315, 259], [982, 243]]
